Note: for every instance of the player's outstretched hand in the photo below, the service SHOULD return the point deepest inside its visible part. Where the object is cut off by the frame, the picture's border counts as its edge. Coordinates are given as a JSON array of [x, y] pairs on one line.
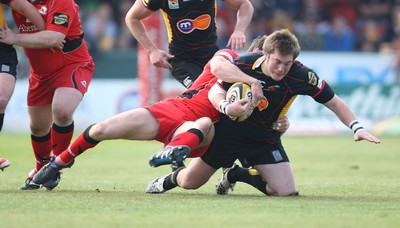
[[159, 58], [365, 135], [237, 41]]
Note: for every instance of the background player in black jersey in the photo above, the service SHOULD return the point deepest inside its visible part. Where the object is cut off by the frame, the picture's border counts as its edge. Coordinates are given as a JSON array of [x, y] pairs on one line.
[[282, 79], [192, 33], [8, 57]]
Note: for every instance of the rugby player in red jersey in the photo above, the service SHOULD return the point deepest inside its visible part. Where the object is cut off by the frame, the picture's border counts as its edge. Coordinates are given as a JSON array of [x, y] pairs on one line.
[[61, 71], [8, 57]]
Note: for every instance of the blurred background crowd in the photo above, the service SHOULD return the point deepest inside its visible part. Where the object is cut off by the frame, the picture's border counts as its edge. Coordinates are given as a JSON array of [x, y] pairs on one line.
[[320, 25]]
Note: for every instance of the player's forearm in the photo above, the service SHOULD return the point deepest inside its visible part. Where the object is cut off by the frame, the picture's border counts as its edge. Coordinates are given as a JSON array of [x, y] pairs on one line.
[[43, 39], [342, 111], [29, 11], [228, 72], [244, 16], [138, 30]]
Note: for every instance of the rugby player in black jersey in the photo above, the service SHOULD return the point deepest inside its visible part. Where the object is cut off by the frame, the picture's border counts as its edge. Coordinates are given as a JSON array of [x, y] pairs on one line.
[[256, 138], [192, 33]]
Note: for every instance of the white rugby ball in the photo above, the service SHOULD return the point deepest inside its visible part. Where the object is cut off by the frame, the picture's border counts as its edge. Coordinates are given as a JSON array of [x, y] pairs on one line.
[[236, 92]]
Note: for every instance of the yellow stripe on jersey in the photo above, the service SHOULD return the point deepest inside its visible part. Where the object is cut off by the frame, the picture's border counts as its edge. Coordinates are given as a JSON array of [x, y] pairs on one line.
[[287, 106], [2, 17], [167, 25]]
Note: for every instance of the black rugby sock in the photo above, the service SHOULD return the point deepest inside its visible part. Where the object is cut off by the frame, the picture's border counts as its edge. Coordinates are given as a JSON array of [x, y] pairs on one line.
[[244, 175], [1, 120], [170, 181]]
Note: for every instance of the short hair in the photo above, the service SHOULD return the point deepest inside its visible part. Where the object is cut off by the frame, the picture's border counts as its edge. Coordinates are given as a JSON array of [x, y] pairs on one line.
[[282, 41], [257, 43]]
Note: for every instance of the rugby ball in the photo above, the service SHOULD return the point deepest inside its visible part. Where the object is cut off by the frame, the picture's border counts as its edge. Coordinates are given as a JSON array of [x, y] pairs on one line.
[[238, 91]]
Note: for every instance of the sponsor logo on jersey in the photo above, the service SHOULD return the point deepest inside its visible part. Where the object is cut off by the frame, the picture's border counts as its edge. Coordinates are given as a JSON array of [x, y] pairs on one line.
[[263, 104], [60, 19], [312, 78], [27, 29], [187, 25], [173, 4]]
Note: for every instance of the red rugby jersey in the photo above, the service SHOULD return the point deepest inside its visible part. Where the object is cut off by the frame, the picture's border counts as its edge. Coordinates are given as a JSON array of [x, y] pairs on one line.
[[61, 16]]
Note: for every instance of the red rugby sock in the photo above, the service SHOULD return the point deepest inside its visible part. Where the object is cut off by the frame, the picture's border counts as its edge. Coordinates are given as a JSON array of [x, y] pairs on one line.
[[187, 138], [61, 137], [41, 148], [81, 144]]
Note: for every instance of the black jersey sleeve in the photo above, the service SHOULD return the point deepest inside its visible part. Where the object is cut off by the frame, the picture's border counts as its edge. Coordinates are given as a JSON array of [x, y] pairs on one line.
[[5, 2], [305, 81], [153, 4]]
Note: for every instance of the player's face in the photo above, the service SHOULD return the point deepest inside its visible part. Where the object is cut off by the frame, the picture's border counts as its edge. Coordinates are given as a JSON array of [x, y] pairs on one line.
[[278, 65]]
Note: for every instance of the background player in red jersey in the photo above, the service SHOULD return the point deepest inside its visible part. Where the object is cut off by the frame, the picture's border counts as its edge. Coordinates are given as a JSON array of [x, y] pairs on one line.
[[192, 34], [282, 79], [58, 80], [8, 57], [184, 124]]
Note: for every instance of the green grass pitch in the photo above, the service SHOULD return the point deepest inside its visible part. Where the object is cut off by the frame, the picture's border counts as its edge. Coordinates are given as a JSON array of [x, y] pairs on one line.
[[341, 184]]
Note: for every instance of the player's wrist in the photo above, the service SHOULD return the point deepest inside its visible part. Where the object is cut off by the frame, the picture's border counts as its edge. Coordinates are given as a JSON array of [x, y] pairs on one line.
[[224, 107], [356, 126]]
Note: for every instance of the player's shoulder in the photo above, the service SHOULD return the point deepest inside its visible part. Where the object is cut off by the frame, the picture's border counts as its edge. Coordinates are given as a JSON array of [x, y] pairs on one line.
[[249, 57], [227, 53], [299, 69]]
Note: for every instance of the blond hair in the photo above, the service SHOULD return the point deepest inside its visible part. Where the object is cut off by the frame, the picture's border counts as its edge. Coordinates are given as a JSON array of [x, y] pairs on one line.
[[282, 41]]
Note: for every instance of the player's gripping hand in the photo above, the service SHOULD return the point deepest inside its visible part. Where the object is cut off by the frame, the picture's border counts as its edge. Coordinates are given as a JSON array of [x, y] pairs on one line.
[[281, 125], [257, 93], [365, 135], [159, 58], [240, 108]]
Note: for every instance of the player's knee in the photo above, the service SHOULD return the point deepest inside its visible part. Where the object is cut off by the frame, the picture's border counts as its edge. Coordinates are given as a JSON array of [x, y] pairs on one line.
[[204, 124], [98, 131], [281, 191], [62, 115]]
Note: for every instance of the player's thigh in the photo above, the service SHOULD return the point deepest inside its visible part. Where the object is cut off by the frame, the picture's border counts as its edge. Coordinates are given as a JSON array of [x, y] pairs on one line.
[[196, 174], [7, 85], [65, 101], [279, 177], [135, 124]]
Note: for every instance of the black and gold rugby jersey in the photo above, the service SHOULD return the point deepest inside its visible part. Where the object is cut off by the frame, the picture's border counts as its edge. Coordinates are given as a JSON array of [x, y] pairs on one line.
[[191, 26], [278, 97]]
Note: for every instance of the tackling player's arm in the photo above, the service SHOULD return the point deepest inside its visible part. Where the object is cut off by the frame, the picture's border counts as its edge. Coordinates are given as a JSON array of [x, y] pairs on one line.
[[27, 9], [226, 71], [347, 117]]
